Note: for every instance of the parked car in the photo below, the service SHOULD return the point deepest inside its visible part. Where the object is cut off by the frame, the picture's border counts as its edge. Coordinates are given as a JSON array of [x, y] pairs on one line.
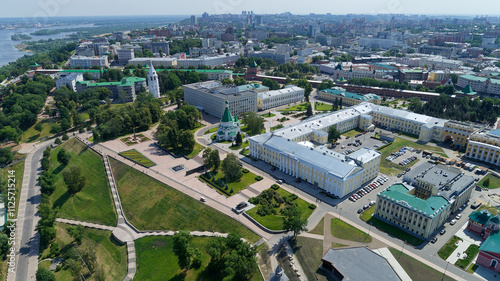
[[442, 232], [458, 216], [452, 222], [202, 199], [434, 240], [360, 211]]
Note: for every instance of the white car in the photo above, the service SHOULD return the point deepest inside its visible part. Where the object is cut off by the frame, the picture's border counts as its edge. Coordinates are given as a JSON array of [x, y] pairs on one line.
[[458, 216], [452, 222]]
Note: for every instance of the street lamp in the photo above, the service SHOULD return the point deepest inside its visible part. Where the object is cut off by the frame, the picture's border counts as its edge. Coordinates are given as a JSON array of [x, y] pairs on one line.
[[447, 263], [340, 210]]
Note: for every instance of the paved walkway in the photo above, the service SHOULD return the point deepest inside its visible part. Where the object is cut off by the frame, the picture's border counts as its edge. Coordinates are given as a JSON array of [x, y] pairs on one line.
[[384, 252], [468, 239]]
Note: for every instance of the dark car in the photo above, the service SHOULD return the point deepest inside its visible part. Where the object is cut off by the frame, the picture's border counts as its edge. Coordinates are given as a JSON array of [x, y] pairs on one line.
[[360, 211], [241, 205], [434, 240], [442, 232]]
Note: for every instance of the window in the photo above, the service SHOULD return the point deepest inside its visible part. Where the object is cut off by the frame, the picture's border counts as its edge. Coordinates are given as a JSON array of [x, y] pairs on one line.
[[494, 263]]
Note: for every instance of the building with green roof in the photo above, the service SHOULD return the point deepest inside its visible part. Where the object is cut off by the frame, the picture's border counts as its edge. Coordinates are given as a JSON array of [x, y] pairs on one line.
[[229, 126], [485, 224], [123, 91], [348, 98], [480, 84], [399, 206]]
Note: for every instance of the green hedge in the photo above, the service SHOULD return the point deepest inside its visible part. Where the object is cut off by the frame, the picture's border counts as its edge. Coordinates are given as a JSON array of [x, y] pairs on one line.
[[275, 186], [312, 206], [245, 171], [259, 178]]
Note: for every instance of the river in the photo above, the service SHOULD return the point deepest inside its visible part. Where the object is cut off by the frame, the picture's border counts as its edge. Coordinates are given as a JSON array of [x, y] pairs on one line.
[[8, 51]]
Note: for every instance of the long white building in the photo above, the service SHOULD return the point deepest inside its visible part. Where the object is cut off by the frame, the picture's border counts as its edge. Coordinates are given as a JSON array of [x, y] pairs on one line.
[[270, 99]]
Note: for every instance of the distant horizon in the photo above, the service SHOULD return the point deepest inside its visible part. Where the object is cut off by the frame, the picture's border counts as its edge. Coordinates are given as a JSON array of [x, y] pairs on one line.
[[65, 8]]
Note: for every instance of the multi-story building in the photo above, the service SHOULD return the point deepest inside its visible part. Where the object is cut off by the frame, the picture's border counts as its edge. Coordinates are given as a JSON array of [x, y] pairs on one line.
[[217, 60], [348, 98], [87, 62], [437, 62], [125, 55], [290, 150], [485, 147], [486, 225], [459, 132], [69, 80], [210, 96], [212, 74], [398, 206], [123, 91], [155, 61], [480, 84], [270, 99], [279, 58]]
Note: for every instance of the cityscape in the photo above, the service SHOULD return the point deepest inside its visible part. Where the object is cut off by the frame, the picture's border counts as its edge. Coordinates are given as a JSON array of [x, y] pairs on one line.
[[229, 141]]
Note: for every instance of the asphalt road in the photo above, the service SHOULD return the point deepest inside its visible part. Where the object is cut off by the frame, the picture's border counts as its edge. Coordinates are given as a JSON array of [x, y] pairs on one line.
[[30, 240]]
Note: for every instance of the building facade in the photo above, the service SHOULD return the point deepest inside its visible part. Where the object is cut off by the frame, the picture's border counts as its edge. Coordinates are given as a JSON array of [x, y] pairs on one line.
[[485, 147], [69, 80], [87, 62], [123, 91], [271, 99], [348, 98], [210, 96], [480, 84], [229, 126], [483, 223]]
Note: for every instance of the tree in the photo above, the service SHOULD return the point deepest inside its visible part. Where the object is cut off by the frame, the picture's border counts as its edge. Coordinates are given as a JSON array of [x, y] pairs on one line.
[[6, 155], [215, 159], [293, 220], [304, 84], [65, 137], [39, 126], [486, 182], [272, 84], [333, 134], [309, 111], [74, 179], [57, 141], [231, 168], [239, 139], [63, 157], [186, 138], [76, 232], [4, 245], [43, 274], [45, 164], [182, 249], [227, 81], [239, 81], [254, 123]]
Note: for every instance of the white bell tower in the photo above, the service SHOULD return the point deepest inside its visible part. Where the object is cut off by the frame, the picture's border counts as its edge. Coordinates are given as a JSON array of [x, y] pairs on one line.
[[153, 85]]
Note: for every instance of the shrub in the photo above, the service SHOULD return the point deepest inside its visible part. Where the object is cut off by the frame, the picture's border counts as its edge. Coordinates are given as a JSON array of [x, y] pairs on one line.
[[58, 141], [65, 137], [275, 186], [245, 171], [81, 130], [293, 197], [258, 178], [312, 206]]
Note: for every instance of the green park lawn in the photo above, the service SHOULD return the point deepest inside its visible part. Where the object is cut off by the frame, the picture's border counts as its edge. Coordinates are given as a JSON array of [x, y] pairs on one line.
[[352, 133], [309, 252], [448, 248], [320, 106], [188, 153], [160, 207], [471, 252], [245, 129], [138, 158], [275, 222], [367, 214], [268, 115], [343, 230], [94, 202], [417, 270], [32, 135], [209, 131], [243, 145], [494, 182], [319, 228], [298, 107], [394, 231], [392, 167], [111, 255], [246, 180], [156, 260]]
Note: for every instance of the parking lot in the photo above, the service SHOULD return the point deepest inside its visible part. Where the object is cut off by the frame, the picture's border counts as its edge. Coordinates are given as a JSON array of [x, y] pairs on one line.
[[351, 144]]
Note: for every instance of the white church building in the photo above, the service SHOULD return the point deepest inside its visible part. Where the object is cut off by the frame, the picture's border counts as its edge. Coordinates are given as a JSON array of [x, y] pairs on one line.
[[229, 126], [153, 85]]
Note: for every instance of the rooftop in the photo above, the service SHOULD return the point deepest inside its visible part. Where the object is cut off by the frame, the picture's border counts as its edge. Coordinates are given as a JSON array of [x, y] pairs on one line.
[[349, 261], [399, 193], [492, 243]]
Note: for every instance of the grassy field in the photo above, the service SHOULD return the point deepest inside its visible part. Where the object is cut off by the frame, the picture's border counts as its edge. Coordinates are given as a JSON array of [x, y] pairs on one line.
[[417, 270], [129, 140], [268, 115], [160, 207], [245, 129], [275, 222], [367, 215], [138, 158], [156, 260], [93, 203], [494, 182], [309, 252], [319, 227], [392, 167], [320, 106], [188, 153], [394, 231], [277, 127], [32, 135], [352, 133], [448, 248], [345, 231], [471, 252], [243, 145], [298, 107], [111, 255], [209, 131], [246, 180]]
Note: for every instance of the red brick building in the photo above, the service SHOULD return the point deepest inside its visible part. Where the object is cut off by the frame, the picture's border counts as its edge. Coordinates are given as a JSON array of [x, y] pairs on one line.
[[487, 225]]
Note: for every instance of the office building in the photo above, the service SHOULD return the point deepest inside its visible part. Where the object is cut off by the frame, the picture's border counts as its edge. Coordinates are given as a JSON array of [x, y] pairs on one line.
[[347, 98], [480, 84], [288, 95], [123, 91], [211, 97], [194, 20], [69, 80], [125, 55], [87, 62], [155, 61]]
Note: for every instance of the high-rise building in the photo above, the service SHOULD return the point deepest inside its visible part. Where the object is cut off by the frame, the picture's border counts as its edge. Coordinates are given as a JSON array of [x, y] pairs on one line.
[[258, 20], [314, 30], [194, 20]]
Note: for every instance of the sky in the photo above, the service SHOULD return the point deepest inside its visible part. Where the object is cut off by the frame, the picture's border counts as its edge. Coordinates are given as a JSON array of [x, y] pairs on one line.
[[55, 8]]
